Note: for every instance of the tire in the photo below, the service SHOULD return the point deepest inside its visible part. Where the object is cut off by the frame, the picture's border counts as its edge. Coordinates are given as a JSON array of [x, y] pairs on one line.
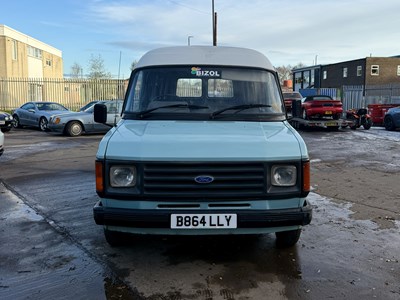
[[389, 123], [5, 129], [367, 125], [115, 238], [43, 124], [74, 129], [16, 123], [354, 127], [286, 239]]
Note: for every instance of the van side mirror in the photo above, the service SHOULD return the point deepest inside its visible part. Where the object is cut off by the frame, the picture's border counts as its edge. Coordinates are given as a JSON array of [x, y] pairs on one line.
[[100, 113]]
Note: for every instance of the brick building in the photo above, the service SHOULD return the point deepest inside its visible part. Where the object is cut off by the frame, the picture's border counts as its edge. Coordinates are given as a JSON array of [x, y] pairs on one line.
[[25, 57]]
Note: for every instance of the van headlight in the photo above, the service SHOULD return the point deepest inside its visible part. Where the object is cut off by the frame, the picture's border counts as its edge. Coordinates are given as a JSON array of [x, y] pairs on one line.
[[283, 175], [123, 176]]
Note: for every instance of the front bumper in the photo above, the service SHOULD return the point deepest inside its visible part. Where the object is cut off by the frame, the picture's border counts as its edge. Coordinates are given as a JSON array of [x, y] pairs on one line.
[[141, 218], [56, 127]]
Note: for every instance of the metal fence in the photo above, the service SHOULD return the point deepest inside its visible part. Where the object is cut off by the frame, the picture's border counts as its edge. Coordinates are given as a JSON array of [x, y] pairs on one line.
[[359, 96], [72, 93]]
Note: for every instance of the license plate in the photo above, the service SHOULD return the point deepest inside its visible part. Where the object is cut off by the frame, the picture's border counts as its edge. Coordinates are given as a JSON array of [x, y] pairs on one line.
[[2, 122], [203, 221], [331, 124], [328, 112]]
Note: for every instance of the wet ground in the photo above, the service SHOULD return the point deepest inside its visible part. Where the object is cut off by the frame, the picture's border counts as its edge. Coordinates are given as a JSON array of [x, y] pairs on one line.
[[51, 249]]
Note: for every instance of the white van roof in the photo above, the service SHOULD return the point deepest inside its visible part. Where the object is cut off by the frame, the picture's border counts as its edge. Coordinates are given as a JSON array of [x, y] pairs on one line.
[[205, 55]]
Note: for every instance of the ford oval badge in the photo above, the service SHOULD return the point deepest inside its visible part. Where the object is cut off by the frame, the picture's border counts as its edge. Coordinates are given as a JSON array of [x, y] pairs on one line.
[[204, 179]]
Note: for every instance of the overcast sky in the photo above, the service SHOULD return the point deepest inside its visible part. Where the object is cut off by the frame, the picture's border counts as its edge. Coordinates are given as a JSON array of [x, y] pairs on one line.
[[287, 32]]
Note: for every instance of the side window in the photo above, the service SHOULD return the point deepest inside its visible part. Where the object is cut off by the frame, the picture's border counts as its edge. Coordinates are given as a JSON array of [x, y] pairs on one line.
[[112, 107], [188, 87], [398, 70], [344, 72], [375, 70], [359, 71], [14, 50]]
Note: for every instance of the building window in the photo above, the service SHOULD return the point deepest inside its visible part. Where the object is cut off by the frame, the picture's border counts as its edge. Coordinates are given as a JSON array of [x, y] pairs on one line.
[[34, 52], [325, 75], [48, 62], [375, 70], [344, 72], [359, 71], [398, 70], [14, 50]]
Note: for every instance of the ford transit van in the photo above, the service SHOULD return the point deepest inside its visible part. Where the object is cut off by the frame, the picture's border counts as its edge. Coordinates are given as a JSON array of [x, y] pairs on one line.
[[203, 148]]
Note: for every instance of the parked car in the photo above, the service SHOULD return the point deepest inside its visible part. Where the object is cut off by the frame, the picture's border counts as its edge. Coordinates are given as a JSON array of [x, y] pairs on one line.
[[6, 121], [1, 142], [289, 97], [321, 106], [87, 105], [392, 118], [75, 123], [37, 114]]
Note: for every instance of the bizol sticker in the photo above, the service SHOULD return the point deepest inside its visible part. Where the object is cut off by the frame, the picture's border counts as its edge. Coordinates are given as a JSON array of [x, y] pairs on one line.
[[205, 73]]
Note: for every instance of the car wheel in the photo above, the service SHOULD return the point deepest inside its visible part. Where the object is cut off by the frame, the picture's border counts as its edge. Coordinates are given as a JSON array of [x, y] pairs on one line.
[[389, 124], [287, 238], [43, 124], [74, 129], [16, 122], [115, 238], [304, 114], [5, 129]]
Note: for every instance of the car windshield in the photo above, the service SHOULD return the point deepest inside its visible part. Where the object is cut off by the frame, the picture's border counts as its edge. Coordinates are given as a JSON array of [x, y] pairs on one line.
[[203, 93], [90, 108], [319, 98], [50, 106]]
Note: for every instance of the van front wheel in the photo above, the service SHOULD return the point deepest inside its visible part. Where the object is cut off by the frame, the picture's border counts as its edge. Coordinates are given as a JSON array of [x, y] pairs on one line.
[[287, 238], [114, 238]]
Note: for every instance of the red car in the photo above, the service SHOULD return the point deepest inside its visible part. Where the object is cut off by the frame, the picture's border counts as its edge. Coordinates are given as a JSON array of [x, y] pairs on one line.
[[320, 106], [289, 97]]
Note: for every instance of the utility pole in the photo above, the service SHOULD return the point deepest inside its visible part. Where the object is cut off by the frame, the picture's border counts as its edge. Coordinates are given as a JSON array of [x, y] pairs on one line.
[[214, 25]]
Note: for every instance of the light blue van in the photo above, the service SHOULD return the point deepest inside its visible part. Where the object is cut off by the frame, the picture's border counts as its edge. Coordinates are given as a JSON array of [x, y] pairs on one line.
[[203, 148]]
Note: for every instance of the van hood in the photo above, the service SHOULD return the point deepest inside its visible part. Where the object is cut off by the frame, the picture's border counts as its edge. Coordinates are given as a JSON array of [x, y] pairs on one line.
[[202, 141]]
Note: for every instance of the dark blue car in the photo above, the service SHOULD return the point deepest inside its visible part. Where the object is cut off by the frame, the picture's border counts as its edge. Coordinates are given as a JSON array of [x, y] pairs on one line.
[[392, 118]]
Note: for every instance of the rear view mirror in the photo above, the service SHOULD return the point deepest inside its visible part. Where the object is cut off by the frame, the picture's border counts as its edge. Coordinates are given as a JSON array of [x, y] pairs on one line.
[[100, 113]]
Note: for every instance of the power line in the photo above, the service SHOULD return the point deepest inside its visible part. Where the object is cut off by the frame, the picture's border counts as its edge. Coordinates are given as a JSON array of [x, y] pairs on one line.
[[188, 7]]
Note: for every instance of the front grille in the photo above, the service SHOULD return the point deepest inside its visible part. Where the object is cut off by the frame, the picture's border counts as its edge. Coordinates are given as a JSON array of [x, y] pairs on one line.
[[231, 180]]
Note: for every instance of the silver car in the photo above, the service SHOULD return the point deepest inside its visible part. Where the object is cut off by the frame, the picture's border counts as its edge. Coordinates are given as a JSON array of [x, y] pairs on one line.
[[75, 123], [37, 114]]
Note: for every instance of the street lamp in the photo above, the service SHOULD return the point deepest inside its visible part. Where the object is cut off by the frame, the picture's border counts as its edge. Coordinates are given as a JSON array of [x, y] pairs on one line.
[[189, 37]]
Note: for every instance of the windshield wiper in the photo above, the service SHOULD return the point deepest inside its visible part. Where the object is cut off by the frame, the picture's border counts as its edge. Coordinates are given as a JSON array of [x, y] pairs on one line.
[[238, 108], [145, 113]]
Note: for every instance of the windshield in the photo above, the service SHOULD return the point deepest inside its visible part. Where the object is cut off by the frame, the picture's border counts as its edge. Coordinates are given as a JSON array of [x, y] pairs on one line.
[[50, 106], [203, 93]]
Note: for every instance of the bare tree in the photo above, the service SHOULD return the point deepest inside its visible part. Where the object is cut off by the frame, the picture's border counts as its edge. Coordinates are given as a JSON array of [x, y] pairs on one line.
[[76, 70], [97, 69], [133, 64], [285, 72]]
